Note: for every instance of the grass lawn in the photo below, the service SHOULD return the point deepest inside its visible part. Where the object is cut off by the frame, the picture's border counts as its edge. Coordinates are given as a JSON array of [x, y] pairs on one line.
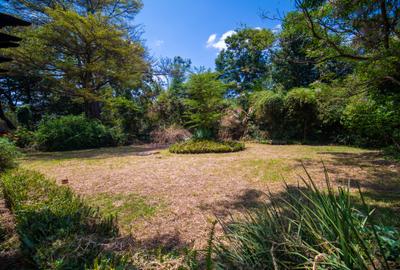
[[165, 199]]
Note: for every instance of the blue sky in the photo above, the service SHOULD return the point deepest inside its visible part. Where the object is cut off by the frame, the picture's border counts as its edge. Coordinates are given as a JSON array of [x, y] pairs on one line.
[[183, 27]]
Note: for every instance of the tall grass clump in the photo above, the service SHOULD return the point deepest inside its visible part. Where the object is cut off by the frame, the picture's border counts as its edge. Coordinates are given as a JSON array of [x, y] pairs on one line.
[[56, 228], [306, 228], [8, 154]]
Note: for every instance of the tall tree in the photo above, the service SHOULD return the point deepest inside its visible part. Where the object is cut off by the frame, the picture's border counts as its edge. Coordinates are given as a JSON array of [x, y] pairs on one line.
[[245, 60], [292, 67], [85, 58], [363, 31], [205, 102]]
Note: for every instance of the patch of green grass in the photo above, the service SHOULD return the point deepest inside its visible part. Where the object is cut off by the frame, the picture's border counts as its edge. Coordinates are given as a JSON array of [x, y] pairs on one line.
[[127, 207], [270, 170]]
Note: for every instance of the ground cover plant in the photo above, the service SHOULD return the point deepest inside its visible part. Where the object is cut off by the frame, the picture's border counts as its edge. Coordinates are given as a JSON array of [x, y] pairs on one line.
[[306, 227], [206, 146], [56, 229]]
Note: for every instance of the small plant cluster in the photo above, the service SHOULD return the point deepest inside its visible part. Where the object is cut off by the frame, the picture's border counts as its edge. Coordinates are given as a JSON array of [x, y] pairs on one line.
[[206, 146], [56, 228], [306, 228], [8, 154]]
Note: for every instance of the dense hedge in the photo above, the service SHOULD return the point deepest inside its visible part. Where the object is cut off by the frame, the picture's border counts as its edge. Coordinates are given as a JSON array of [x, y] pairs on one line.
[[206, 146], [8, 154], [73, 132], [56, 228]]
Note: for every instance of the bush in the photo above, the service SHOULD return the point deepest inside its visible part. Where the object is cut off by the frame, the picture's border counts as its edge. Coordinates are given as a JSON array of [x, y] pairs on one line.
[[304, 228], [268, 110], [72, 132], [206, 146], [23, 138], [8, 154], [301, 108], [371, 123], [56, 229], [170, 135]]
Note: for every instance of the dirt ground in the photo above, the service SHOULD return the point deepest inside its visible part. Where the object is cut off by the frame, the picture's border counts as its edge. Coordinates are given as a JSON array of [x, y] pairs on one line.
[[190, 191]]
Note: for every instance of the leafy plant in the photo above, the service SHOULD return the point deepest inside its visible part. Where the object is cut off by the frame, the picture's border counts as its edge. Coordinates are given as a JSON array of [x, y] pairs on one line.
[[72, 132], [204, 103], [206, 146], [22, 137], [8, 154], [306, 228], [56, 228]]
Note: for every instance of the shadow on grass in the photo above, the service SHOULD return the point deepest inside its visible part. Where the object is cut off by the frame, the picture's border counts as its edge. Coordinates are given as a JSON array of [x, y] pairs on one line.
[[98, 153], [248, 199]]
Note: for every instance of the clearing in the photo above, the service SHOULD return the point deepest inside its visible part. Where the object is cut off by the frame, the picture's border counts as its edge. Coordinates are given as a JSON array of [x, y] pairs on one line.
[[170, 200]]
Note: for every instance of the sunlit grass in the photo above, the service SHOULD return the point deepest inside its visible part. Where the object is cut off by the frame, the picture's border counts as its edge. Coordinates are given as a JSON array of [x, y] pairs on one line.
[[127, 207], [270, 170]]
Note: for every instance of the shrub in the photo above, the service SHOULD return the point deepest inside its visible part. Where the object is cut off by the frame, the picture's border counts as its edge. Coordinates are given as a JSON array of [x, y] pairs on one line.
[[170, 135], [206, 146], [8, 154], [72, 132], [268, 110], [305, 228], [56, 229], [23, 138], [301, 108], [372, 123]]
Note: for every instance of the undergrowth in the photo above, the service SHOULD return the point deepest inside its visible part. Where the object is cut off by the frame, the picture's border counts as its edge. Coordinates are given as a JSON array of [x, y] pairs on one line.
[[306, 228]]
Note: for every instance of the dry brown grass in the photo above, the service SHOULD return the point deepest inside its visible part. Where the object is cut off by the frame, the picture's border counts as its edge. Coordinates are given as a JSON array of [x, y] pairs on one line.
[[193, 189]]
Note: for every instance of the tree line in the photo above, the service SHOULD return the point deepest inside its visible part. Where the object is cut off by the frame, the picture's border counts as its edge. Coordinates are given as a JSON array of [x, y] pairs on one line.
[[331, 74]]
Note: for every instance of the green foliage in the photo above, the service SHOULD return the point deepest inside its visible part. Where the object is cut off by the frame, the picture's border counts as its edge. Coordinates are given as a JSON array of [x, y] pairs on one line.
[[301, 106], [73, 132], [268, 109], [23, 137], [125, 116], [306, 228], [24, 115], [89, 56], [372, 123], [205, 102], [206, 146], [8, 154], [291, 65], [56, 229], [245, 60], [168, 109]]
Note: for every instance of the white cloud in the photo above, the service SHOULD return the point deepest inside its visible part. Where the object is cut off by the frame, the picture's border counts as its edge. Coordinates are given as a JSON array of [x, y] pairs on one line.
[[211, 40], [219, 44], [158, 43], [277, 28]]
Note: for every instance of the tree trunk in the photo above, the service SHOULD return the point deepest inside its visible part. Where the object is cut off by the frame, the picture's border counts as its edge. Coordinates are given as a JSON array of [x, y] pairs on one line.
[[305, 131], [93, 109], [3, 117]]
